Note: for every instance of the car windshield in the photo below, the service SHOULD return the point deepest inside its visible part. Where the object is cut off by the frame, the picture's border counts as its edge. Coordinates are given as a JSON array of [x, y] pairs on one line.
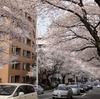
[[37, 86], [7, 89], [81, 85], [73, 86], [61, 88]]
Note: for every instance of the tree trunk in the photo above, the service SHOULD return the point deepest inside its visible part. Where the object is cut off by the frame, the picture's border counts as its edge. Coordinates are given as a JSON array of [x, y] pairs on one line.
[[63, 79], [98, 50], [98, 2]]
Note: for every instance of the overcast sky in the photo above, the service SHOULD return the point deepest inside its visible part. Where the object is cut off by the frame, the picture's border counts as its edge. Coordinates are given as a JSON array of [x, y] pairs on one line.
[[42, 25], [45, 20]]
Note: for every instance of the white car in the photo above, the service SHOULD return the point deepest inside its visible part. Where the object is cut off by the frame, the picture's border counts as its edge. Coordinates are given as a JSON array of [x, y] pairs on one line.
[[62, 92], [17, 91], [39, 89], [75, 89], [98, 86]]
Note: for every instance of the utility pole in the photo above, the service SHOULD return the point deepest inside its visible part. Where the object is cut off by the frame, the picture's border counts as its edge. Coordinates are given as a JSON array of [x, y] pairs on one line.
[[36, 57]]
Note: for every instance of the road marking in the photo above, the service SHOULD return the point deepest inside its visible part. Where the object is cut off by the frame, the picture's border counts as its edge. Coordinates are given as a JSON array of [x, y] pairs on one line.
[[90, 90], [83, 95]]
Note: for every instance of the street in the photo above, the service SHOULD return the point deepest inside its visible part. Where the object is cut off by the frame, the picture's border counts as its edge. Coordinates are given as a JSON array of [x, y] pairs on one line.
[[92, 94]]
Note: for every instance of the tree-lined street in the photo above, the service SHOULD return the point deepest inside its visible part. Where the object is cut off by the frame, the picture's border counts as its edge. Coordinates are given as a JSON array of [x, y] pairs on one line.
[[65, 58], [72, 50], [92, 94]]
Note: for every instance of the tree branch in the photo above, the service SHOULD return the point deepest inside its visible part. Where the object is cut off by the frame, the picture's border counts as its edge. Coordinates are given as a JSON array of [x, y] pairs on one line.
[[97, 25], [98, 2], [82, 49]]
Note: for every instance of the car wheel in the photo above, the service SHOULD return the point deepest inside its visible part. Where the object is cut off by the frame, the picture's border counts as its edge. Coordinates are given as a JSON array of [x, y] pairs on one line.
[[84, 90], [79, 93], [53, 98], [68, 97], [71, 97]]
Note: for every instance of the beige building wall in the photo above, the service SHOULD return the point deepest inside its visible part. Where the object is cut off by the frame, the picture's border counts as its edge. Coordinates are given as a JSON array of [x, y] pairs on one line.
[[17, 56], [6, 71]]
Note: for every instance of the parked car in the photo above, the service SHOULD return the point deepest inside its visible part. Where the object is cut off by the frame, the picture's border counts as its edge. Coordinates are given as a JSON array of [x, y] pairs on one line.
[[39, 89], [17, 91], [98, 86], [85, 86], [82, 87], [75, 89], [62, 91], [90, 85], [62, 85]]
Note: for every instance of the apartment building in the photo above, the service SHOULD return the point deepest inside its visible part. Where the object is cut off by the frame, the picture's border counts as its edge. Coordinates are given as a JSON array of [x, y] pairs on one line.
[[19, 54], [24, 56]]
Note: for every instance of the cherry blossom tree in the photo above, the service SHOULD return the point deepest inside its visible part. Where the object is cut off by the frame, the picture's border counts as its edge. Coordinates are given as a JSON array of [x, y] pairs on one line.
[[16, 17], [17, 20], [64, 63], [76, 29], [85, 24]]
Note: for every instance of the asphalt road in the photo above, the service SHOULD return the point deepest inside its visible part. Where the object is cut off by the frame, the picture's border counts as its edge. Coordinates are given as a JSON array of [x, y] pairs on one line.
[[92, 94]]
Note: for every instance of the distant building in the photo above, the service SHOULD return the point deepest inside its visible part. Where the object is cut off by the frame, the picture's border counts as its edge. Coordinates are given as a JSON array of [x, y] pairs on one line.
[[41, 47], [41, 43]]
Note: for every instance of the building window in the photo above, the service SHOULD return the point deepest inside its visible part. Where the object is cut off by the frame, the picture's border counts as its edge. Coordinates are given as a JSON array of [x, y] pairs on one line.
[[12, 79], [23, 79], [0, 80], [15, 65], [26, 53], [33, 56], [17, 78], [12, 66], [28, 42], [33, 46], [26, 66], [25, 40], [13, 49], [16, 50]]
